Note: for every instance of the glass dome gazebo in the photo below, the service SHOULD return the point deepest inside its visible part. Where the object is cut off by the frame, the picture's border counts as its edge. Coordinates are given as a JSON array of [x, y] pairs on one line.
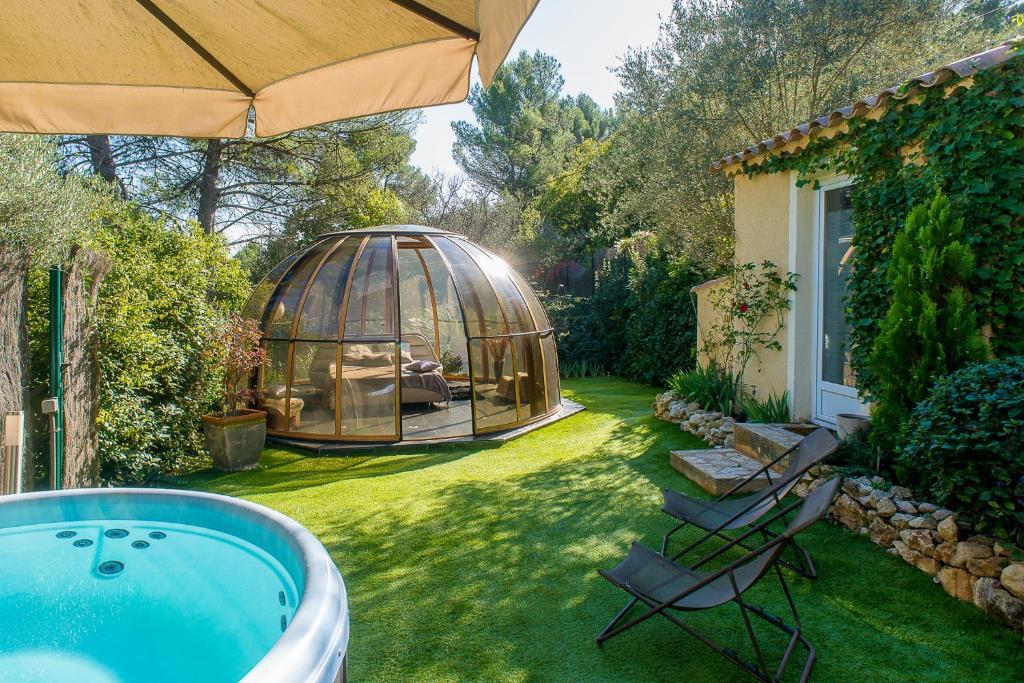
[[401, 333]]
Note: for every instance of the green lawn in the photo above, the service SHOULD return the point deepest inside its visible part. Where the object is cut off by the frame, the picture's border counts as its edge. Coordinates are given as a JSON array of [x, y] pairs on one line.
[[468, 564]]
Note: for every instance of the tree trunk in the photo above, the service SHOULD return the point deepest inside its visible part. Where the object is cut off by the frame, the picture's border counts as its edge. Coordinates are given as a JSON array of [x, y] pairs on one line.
[[14, 262], [81, 373], [209, 192], [103, 163]]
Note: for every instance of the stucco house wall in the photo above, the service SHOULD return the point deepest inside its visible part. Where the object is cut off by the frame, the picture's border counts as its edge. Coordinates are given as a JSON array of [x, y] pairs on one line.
[[762, 234], [775, 221], [707, 318]]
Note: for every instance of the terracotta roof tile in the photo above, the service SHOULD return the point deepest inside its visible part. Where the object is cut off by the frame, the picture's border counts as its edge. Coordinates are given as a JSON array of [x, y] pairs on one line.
[[962, 68]]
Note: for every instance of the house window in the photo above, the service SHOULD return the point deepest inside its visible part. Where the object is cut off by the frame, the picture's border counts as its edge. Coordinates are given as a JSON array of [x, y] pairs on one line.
[[837, 253]]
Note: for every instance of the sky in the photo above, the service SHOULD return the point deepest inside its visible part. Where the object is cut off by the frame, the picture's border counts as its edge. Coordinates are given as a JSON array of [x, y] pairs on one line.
[[587, 36]]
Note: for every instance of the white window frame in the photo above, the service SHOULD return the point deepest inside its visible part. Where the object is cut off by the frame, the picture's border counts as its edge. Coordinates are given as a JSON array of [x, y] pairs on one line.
[[818, 386]]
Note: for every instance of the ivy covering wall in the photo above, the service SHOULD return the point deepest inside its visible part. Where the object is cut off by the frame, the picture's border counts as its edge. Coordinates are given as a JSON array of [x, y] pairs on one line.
[[966, 142]]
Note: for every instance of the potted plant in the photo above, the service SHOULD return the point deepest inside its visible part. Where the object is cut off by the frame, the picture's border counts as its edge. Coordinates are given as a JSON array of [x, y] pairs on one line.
[[235, 435]]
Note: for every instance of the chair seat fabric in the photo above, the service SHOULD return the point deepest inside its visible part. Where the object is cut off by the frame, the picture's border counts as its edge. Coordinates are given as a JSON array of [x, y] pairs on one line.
[[651, 575], [707, 515]]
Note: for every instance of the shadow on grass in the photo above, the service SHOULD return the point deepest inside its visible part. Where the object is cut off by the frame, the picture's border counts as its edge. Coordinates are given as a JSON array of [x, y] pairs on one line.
[[284, 469], [498, 582]]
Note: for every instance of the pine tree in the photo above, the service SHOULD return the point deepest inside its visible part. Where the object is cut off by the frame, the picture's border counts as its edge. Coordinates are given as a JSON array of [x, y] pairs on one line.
[[930, 328]]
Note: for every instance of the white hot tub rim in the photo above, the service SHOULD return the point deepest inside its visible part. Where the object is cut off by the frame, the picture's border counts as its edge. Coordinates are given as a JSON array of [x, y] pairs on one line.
[[312, 647]]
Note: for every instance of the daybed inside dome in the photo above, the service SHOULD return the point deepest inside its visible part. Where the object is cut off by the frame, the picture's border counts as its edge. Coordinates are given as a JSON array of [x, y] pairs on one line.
[[401, 333]]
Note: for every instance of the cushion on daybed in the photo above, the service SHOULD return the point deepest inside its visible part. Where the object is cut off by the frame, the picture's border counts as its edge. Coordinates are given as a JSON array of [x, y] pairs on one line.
[[422, 366]]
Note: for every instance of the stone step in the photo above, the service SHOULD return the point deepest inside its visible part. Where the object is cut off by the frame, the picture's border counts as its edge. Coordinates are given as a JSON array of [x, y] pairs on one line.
[[717, 470], [765, 442]]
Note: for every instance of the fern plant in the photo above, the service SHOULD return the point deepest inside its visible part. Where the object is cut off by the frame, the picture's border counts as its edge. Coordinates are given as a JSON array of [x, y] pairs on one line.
[[451, 362]]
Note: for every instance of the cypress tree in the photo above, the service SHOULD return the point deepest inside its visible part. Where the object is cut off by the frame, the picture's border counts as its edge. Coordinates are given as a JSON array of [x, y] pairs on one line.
[[930, 328]]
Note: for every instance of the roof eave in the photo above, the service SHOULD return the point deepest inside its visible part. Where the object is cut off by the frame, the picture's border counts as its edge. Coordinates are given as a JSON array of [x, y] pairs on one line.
[[874, 105]]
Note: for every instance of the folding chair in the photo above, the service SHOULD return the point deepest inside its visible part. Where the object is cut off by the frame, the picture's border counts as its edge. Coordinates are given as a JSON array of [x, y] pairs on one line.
[[724, 514], [666, 587]]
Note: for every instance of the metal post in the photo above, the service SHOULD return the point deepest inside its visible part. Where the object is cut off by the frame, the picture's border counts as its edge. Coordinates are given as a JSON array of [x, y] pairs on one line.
[[57, 374]]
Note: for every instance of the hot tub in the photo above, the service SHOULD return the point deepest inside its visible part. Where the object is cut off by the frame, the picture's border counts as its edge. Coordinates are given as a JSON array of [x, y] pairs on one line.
[[104, 585]]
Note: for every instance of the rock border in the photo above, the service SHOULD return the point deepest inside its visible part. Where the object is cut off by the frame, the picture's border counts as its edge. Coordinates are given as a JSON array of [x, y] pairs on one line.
[[971, 567], [714, 427]]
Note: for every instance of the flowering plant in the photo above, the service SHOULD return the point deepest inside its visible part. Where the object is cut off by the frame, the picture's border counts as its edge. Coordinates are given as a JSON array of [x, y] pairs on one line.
[[236, 348], [750, 312]]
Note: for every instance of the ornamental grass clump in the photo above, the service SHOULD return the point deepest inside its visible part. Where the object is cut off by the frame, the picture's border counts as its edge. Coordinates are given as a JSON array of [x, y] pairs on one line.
[[708, 385], [964, 446], [773, 409], [930, 328]]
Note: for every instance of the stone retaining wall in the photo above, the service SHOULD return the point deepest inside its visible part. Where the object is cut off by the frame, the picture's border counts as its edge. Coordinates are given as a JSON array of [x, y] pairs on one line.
[[968, 566], [715, 428]]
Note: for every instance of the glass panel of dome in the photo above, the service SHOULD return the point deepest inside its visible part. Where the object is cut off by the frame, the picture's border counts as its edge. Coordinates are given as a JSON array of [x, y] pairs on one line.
[[416, 298], [540, 316], [452, 353], [530, 363], [368, 390], [285, 302], [371, 299], [493, 386], [319, 316], [498, 273], [429, 287], [273, 396], [257, 303], [547, 342], [484, 316], [312, 386]]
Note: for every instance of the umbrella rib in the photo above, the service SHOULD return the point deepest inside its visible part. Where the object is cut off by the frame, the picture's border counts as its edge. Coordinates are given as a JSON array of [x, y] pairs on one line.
[[195, 46], [438, 18]]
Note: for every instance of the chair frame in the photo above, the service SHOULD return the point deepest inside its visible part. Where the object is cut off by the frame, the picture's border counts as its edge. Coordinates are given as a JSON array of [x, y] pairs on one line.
[[758, 670], [805, 566]]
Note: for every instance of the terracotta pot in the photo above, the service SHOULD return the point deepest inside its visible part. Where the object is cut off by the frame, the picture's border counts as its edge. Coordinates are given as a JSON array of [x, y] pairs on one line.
[[235, 441], [848, 424]]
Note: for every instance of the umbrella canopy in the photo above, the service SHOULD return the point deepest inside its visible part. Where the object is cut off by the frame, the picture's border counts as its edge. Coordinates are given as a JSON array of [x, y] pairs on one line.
[[194, 68]]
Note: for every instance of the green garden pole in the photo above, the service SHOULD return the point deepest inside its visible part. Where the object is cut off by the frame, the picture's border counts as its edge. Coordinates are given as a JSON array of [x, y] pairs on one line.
[[56, 372]]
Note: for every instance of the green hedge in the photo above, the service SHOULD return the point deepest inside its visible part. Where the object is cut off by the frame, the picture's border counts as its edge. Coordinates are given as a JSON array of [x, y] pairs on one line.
[[166, 290], [640, 323], [964, 445]]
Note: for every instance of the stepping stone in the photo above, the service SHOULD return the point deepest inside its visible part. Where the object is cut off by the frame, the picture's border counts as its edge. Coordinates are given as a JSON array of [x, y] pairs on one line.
[[716, 470]]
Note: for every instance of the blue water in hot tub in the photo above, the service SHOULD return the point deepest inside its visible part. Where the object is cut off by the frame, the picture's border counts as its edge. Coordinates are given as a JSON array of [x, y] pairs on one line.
[[124, 600]]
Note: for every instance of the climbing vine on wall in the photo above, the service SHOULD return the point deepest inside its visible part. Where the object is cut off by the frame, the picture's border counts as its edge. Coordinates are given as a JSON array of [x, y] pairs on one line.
[[966, 142]]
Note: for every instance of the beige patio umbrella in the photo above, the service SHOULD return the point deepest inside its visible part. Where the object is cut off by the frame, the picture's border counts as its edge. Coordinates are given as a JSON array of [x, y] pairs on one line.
[[194, 68]]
